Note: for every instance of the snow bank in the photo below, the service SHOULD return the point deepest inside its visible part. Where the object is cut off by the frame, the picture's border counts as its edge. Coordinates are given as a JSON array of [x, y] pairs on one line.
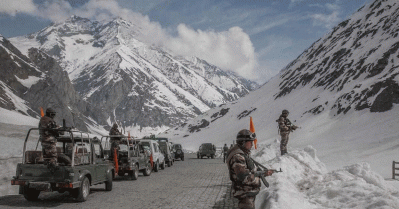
[[306, 183]]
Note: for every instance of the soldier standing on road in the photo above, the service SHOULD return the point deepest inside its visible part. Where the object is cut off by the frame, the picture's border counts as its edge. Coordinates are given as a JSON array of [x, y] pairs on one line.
[[245, 182], [225, 149], [114, 140], [285, 127], [47, 137]]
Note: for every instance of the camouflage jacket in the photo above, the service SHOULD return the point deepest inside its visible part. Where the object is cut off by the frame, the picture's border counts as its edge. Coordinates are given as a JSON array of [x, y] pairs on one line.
[[242, 173], [47, 123], [114, 131], [285, 125]]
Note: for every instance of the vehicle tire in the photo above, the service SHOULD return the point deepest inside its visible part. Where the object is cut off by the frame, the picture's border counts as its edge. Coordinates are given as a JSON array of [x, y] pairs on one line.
[[202, 157], [213, 156], [163, 165], [108, 183], [197, 156], [156, 167], [31, 194], [147, 170], [82, 193], [169, 163], [134, 175], [182, 159]]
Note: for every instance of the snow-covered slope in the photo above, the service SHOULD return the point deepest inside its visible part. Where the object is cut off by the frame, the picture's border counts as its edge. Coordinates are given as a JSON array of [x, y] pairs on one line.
[[144, 88], [342, 91]]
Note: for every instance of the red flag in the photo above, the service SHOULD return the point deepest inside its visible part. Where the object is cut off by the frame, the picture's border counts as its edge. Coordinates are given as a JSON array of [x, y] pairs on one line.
[[41, 112], [252, 129]]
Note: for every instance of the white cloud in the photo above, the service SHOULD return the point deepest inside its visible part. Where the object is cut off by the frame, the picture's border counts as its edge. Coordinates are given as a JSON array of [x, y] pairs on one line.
[[12, 7], [327, 21], [230, 49]]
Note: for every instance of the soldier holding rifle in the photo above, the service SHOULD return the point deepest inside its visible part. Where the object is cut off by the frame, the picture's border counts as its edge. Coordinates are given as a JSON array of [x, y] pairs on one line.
[[244, 173]]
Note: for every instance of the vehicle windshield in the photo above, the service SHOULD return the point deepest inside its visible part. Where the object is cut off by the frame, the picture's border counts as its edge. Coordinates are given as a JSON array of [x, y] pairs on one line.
[[162, 146], [177, 146], [123, 148], [146, 145]]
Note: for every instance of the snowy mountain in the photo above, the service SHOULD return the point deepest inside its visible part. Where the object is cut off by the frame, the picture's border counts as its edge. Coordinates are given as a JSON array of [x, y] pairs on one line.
[[343, 91], [30, 82], [144, 88]]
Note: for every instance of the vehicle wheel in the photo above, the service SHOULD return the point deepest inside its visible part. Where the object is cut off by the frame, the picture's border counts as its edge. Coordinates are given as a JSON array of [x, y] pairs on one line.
[[82, 193], [147, 170], [182, 159], [169, 163], [202, 157], [197, 156], [156, 167], [213, 156], [108, 183], [31, 194], [163, 165], [134, 175]]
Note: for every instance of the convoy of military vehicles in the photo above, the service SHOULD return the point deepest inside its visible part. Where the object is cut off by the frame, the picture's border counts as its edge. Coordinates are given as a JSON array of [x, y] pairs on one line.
[[84, 161]]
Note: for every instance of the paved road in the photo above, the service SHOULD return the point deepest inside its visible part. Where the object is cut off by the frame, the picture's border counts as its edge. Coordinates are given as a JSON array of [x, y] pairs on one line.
[[193, 183]]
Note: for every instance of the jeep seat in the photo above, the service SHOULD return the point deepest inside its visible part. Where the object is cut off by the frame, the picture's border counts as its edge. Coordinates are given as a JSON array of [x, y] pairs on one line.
[[33, 157]]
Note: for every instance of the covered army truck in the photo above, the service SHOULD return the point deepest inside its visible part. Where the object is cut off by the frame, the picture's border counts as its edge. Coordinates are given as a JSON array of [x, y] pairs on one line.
[[131, 159], [80, 164]]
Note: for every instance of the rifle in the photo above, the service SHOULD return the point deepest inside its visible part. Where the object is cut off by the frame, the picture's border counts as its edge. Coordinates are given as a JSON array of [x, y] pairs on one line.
[[262, 170]]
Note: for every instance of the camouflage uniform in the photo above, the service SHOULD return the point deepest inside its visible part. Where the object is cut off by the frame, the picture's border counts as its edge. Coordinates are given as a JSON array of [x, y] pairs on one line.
[[245, 185], [47, 137], [285, 127], [225, 149], [115, 141]]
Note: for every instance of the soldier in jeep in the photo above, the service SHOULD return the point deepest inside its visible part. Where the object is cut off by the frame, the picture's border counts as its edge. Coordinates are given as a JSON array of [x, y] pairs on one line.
[[115, 141], [48, 137]]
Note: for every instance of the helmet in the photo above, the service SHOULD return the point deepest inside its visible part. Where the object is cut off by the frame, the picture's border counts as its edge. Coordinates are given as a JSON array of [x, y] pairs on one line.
[[245, 135], [50, 112], [285, 112]]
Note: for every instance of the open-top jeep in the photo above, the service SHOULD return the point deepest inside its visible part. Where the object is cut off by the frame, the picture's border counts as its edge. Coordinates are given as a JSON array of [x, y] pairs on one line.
[[85, 166], [131, 157]]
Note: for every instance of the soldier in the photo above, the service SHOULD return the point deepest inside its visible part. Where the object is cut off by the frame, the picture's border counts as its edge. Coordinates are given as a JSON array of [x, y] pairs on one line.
[[225, 149], [245, 181], [285, 127], [114, 140], [47, 137]]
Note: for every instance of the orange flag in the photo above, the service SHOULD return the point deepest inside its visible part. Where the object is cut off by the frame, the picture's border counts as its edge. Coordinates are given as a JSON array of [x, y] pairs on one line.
[[41, 111], [252, 129]]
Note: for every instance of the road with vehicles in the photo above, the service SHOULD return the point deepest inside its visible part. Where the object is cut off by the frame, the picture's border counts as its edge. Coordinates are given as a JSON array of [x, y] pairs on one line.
[[193, 183]]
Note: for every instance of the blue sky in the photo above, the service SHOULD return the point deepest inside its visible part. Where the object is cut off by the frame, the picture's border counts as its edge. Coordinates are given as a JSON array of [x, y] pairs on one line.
[[254, 38]]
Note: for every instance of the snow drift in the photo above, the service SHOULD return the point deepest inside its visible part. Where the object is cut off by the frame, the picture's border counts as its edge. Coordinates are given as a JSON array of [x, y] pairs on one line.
[[306, 183]]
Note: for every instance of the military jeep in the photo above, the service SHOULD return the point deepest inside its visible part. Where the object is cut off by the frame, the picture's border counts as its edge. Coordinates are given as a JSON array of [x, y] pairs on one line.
[[131, 159], [206, 150], [178, 151], [86, 166]]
